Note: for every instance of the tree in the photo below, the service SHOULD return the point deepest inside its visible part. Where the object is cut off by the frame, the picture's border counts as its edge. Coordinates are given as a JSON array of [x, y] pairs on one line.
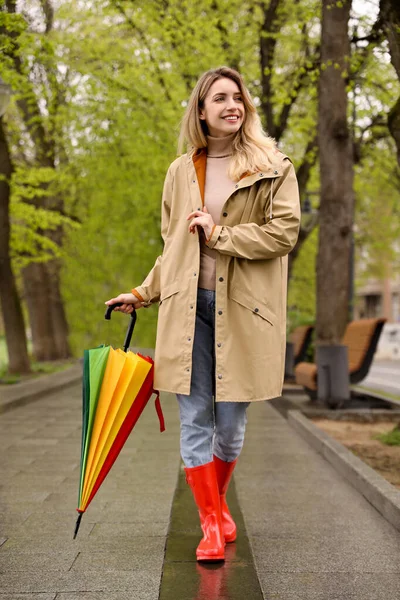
[[30, 62], [389, 16], [18, 360], [336, 184]]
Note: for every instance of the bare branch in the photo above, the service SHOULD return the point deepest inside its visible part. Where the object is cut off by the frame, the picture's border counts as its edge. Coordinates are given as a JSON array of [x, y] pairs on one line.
[[269, 29], [48, 11], [390, 15], [309, 159]]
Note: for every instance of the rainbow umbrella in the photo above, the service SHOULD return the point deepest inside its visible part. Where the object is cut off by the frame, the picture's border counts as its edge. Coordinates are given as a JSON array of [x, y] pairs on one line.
[[117, 384]]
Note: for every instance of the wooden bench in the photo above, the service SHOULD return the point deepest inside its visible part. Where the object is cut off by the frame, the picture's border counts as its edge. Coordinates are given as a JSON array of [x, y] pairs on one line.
[[361, 338], [296, 348]]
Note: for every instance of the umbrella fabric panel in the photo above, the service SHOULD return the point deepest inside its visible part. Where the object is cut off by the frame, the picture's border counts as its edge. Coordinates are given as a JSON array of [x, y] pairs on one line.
[[85, 413], [126, 428], [113, 370], [95, 361], [132, 378]]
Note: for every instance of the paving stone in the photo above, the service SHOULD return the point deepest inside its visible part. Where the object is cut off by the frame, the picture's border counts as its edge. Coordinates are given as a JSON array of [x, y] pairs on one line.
[[138, 511], [15, 456], [14, 561], [329, 586], [126, 532], [30, 580], [63, 501], [95, 596], [141, 584], [340, 554], [54, 539], [142, 554], [13, 596], [13, 497], [59, 523], [40, 442], [36, 479], [274, 523]]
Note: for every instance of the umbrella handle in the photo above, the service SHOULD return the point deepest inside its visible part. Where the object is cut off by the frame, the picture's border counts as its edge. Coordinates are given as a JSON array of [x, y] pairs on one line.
[[131, 323]]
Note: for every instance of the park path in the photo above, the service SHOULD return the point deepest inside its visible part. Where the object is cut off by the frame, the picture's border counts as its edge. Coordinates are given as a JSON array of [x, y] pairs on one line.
[[312, 536]]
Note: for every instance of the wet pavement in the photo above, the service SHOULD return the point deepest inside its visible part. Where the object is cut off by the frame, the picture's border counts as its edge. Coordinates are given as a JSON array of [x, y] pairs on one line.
[[304, 532], [183, 577]]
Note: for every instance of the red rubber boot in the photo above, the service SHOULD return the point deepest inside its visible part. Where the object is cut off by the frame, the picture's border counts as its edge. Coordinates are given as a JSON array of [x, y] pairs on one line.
[[204, 485], [224, 472]]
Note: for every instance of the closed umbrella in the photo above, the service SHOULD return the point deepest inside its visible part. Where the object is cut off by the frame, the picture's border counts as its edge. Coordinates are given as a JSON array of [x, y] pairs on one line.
[[117, 384]]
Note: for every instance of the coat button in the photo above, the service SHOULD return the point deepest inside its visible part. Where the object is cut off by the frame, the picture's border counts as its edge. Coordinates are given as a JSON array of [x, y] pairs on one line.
[[236, 186], [225, 214], [256, 310], [220, 279], [187, 370], [219, 376], [220, 312], [189, 339], [275, 172], [194, 181], [261, 174], [219, 344], [191, 306], [194, 274]]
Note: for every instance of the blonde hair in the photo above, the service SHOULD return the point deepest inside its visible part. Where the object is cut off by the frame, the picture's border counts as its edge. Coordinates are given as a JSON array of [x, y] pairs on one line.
[[250, 145]]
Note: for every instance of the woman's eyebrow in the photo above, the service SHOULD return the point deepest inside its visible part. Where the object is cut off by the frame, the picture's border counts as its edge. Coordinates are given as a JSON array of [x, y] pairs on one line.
[[224, 94]]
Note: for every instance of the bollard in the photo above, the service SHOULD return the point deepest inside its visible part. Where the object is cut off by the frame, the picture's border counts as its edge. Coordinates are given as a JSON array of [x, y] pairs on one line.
[[333, 375], [289, 360]]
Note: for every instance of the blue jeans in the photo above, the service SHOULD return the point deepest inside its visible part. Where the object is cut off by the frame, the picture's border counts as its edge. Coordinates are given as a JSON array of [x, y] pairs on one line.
[[208, 427]]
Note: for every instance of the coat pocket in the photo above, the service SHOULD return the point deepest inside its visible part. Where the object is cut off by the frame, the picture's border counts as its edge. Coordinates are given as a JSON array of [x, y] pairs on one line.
[[255, 306], [169, 290]]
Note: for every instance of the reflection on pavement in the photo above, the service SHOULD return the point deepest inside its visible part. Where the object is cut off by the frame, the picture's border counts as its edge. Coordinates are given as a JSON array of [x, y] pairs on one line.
[[214, 577], [184, 578]]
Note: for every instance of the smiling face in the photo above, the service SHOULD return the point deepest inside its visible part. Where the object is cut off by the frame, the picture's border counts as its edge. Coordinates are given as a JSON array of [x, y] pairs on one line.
[[223, 109]]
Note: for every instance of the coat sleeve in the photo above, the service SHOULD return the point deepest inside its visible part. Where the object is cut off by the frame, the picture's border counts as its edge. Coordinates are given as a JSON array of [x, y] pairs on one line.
[[149, 292], [277, 236]]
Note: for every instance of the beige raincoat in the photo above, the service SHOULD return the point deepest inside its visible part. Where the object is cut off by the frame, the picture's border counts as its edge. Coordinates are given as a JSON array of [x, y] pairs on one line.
[[259, 226]]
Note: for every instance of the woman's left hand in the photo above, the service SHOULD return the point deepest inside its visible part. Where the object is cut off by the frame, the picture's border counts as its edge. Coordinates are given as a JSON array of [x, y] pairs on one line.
[[201, 218]]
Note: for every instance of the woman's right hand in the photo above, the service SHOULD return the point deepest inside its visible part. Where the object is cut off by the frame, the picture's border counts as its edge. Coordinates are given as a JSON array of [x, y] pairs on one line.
[[129, 303]]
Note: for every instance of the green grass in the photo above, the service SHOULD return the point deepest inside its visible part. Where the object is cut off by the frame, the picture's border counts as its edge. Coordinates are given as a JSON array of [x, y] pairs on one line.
[[3, 353], [38, 368], [392, 438]]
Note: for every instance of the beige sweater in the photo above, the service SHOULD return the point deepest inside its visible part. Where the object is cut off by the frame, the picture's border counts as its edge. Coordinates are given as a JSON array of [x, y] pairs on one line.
[[217, 190]]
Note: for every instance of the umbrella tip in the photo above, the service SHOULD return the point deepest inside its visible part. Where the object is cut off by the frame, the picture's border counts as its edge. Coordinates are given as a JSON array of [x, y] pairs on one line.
[[77, 524]]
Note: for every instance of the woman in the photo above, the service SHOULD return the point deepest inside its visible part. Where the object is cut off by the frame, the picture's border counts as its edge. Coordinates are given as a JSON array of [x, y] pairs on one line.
[[230, 215]]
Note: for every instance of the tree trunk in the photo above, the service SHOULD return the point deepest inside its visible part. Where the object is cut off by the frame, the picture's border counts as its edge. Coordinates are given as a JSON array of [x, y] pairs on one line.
[[18, 361], [336, 174], [394, 126], [46, 311], [390, 16], [36, 286], [303, 175], [41, 281], [58, 317]]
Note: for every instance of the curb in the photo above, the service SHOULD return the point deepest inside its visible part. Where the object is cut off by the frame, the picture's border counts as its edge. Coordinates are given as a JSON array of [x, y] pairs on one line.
[[20, 394], [379, 492]]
